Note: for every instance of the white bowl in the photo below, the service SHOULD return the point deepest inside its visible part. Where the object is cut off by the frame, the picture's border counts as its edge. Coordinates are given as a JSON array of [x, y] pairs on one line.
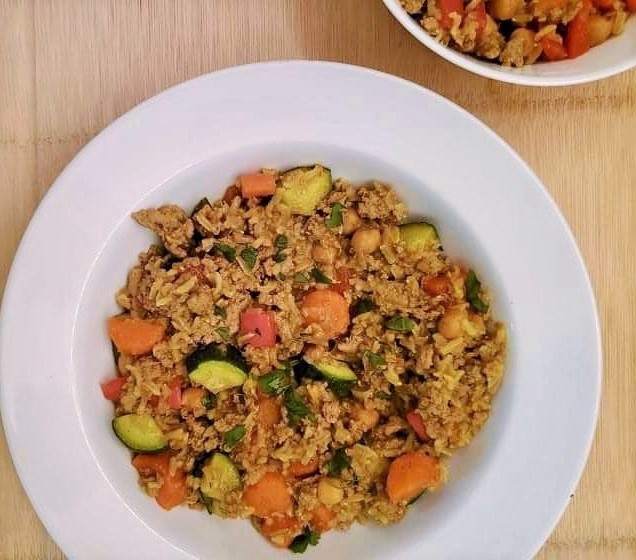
[[612, 57], [506, 490]]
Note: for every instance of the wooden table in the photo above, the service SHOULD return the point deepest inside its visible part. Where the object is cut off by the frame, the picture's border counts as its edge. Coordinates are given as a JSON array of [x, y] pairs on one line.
[[69, 67]]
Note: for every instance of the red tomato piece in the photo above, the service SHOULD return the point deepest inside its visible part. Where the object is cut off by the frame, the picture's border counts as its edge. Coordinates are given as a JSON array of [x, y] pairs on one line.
[[174, 399], [112, 389], [447, 7], [577, 37], [416, 422], [260, 324], [553, 50], [342, 280]]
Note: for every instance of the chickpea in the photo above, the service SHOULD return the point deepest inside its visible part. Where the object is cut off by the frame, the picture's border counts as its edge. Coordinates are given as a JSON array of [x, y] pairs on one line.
[[350, 221], [450, 325], [504, 9], [527, 39], [367, 417], [366, 240], [330, 491], [599, 28], [323, 254]]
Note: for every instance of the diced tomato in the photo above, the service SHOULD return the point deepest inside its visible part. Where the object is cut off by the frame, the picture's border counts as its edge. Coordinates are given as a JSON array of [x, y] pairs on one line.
[[231, 193], [631, 5], [148, 464], [479, 13], [437, 285], [416, 422], [447, 7], [577, 38], [342, 280], [260, 324], [174, 399], [112, 389], [553, 50]]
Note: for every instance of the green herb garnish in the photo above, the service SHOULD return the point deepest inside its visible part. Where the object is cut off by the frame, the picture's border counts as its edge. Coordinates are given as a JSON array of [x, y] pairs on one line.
[[302, 541], [473, 287], [300, 278], [338, 462], [227, 251], [220, 311], [232, 437], [208, 401], [280, 242], [224, 333], [400, 324], [296, 408], [276, 382], [248, 256], [340, 388], [361, 306], [335, 218], [320, 277], [279, 257], [383, 396], [375, 360]]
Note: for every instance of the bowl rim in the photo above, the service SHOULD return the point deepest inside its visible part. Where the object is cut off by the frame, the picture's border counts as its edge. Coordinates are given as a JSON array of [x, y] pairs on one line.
[[497, 72]]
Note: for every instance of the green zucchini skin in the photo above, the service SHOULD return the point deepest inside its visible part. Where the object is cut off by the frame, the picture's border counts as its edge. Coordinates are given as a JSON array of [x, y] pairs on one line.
[[302, 188], [216, 369], [418, 236], [140, 433]]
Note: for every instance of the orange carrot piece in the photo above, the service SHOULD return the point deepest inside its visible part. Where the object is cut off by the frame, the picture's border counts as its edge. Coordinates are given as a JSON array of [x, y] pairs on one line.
[[322, 519], [269, 413], [328, 309], [437, 285], [300, 469], [553, 50], [134, 336], [415, 421], [631, 5], [256, 185], [410, 474], [268, 496], [280, 530], [173, 490]]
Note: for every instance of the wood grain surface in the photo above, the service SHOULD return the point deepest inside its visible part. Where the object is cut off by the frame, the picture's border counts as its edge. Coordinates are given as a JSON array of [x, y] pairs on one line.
[[69, 67]]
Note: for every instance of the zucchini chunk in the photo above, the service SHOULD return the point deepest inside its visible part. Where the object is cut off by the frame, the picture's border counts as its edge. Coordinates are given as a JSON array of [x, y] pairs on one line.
[[301, 189], [219, 476], [140, 432], [418, 236], [216, 370]]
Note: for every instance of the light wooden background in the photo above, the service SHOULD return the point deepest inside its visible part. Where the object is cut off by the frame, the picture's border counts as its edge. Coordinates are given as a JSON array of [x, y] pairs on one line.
[[69, 67]]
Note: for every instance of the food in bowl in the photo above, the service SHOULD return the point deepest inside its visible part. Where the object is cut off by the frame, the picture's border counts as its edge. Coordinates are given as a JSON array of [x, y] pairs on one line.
[[519, 32], [297, 353]]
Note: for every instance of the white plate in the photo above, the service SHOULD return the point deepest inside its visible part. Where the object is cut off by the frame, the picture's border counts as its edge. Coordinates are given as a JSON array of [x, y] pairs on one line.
[[616, 55], [507, 489]]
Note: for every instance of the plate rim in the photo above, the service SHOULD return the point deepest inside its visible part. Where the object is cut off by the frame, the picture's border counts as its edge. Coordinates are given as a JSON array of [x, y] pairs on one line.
[[113, 127]]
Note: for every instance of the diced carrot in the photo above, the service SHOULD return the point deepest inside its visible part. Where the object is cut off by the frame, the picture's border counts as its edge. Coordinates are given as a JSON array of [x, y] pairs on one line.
[[341, 285], [437, 285], [280, 530], [261, 325], [269, 495], [410, 474], [134, 336], [192, 398], [173, 490], [231, 193], [415, 421], [631, 5], [269, 413], [553, 50], [174, 399], [300, 469], [577, 39], [448, 7], [328, 309], [112, 389], [256, 185], [322, 518]]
